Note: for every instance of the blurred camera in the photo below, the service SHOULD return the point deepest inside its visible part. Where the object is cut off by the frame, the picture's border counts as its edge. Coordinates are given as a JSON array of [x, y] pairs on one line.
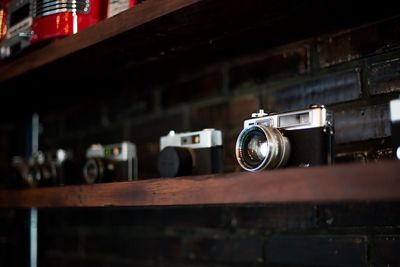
[[191, 153], [109, 163], [19, 26], [395, 124], [298, 138], [41, 169]]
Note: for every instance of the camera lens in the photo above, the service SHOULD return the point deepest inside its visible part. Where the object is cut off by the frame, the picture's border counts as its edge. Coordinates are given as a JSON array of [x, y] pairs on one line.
[[93, 171], [39, 175], [175, 161], [33, 177], [261, 147]]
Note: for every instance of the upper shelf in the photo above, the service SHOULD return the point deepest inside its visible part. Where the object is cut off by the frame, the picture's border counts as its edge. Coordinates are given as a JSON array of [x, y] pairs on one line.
[[99, 32], [161, 30], [340, 183]]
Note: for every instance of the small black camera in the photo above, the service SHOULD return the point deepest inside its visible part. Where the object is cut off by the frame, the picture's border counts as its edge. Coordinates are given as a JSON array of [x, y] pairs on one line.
[[47, 168], [110, 163], [298, 138], [191, 153], [395, 125]]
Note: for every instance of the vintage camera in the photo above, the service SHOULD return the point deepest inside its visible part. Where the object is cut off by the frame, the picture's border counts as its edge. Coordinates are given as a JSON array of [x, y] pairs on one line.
[[109, 163], [299, 138], [19, 27], [117, 6], [395, 124], [43, 169], [32, 172], [192, 153], [59, 18]]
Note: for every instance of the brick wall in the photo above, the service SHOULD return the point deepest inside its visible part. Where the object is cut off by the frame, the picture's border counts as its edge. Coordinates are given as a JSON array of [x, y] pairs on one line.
[[355, 72], [283, 235]]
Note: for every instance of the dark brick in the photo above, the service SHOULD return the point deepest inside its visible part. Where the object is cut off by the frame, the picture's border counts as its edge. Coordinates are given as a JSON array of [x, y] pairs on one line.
[[338, 88], [352, 44], [370, 153], [130, 103], [359, 215], [362, 124], [230, 162], [385, 251], [151, 129], [103, 136], [247, 250], [66, 241], [131, 246], [51, 128], [212, 116], [192, 89], [5, 147], [276, 217], [276, 65], [183, 218], [147, 159], [81, 118], [384, 77], [316, 250], [225, 115]]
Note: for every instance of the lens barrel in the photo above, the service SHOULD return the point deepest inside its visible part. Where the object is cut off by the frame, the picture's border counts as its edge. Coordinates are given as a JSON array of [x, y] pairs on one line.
[[93, 171], [261, 147]]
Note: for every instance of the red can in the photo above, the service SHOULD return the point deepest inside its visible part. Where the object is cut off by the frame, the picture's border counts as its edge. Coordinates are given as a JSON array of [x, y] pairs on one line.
[[59, 18]]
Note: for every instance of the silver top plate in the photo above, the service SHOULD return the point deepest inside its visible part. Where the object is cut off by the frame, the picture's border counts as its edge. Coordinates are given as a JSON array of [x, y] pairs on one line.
[[120, 152], [294, 120], [200, 139]]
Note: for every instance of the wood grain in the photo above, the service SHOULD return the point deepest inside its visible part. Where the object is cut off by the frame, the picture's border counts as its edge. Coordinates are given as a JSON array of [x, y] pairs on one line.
[[340, 183]]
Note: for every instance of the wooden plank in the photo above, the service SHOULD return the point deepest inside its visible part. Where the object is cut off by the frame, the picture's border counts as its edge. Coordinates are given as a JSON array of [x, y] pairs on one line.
[[141, 14], [340, 183]]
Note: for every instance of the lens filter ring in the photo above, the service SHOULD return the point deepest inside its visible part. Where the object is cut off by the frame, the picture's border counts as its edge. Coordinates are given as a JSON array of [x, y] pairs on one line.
[[93, 171], [261, 147]]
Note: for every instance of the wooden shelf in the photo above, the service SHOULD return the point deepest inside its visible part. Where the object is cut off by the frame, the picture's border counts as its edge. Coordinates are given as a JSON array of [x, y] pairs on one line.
[[158, 29], [143, 13], [341, 183]]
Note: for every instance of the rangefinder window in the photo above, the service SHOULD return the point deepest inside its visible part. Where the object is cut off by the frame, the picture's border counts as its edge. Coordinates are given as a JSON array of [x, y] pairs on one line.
[[269, 122], [189, 140], [294, 119]]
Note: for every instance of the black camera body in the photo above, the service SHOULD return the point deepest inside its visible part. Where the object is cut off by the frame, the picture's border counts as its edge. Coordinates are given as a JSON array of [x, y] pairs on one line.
[[47, 168], [19, 23], [395, 125], [191, 153], [110, 163], [299, 138]]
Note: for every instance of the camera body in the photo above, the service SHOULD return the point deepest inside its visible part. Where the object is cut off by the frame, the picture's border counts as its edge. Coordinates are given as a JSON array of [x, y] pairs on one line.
[[59, 18], [298, 138], [395, 125], [19, 26], [109, 163], [42, 169], [190, 153]]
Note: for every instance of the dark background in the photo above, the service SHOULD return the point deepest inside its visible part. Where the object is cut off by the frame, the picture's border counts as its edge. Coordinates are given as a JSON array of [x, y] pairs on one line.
[[349, 62]]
